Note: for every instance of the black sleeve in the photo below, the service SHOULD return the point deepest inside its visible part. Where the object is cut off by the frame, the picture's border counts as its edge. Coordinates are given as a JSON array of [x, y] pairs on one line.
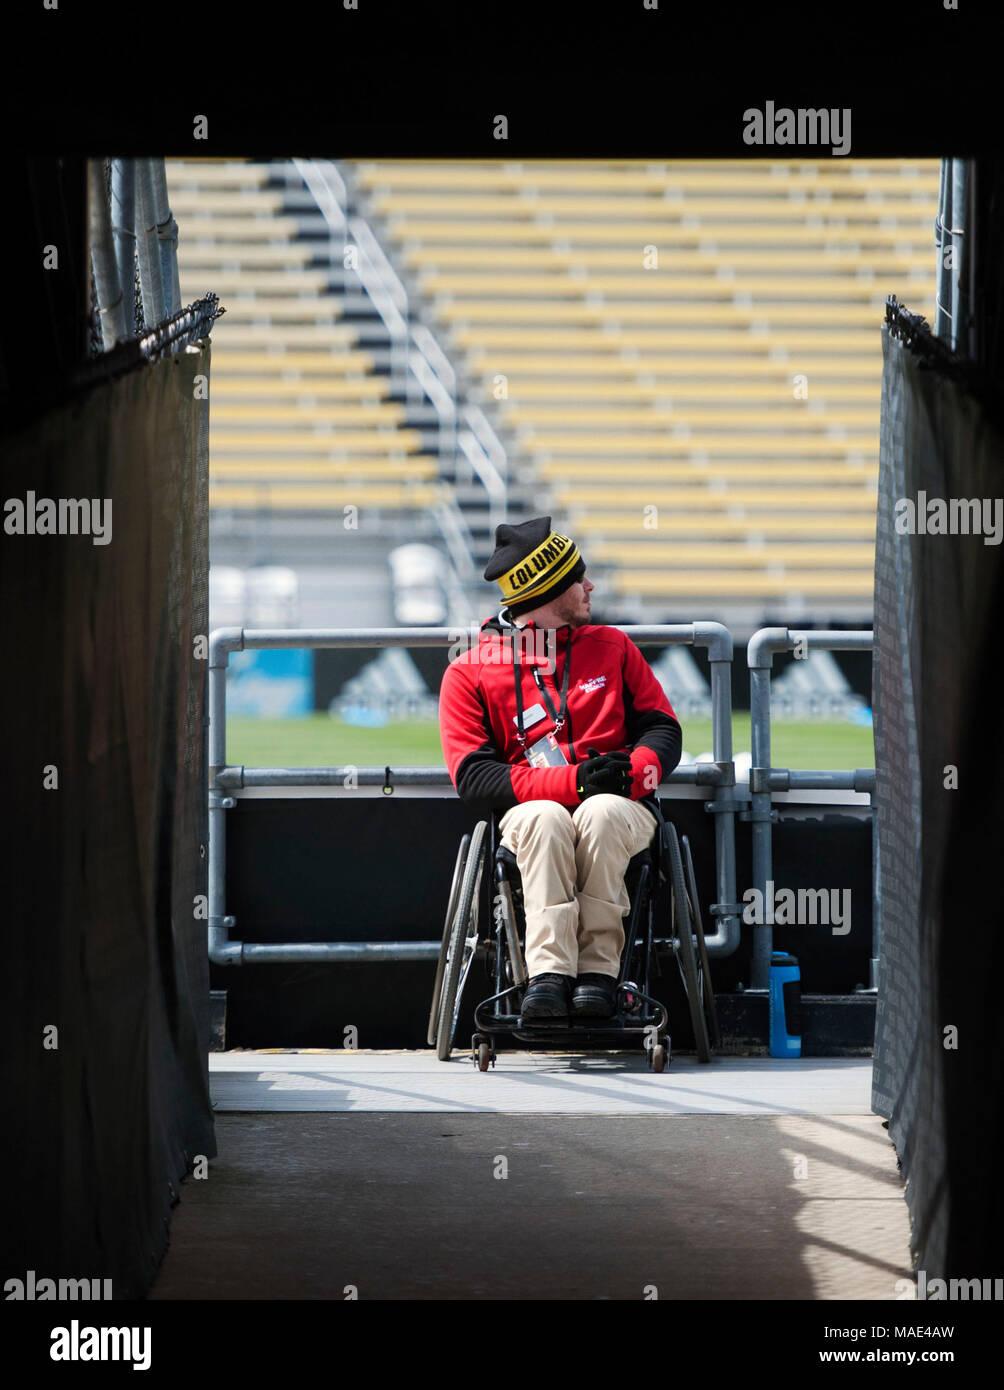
[[656, 730], [484, 779], [484, 782]]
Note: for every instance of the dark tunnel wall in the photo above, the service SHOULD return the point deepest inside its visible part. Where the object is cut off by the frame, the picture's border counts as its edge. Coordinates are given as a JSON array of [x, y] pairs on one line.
[[103, 698], [939, 601]]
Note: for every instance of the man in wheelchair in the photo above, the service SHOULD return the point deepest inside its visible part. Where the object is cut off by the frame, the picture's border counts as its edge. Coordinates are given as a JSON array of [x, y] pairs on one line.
[[574, 763]]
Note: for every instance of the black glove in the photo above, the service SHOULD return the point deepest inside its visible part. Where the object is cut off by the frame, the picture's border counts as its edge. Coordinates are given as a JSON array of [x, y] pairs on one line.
[[604, 772]]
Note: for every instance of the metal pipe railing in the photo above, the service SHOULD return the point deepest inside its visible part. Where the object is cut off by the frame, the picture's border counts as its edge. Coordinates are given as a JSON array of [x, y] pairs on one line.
[[148, 245], [781, 779], [714, 637], [491, 479], [457, 538], [442, 398], [942, 289], [124, 231], [439, 368], [167, 240], [488, 441], [336, 952], [764, 779], [237, 777], [111, 305]]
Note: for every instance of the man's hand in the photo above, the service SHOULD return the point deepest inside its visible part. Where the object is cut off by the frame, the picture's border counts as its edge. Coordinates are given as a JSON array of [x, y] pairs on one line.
[[604, 772]]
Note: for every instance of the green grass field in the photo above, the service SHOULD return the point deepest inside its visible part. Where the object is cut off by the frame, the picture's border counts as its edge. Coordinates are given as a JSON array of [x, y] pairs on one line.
[[319, 741]]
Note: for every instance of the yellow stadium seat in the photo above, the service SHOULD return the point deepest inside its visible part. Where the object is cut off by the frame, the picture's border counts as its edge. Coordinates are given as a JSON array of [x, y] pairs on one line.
[[753, 411], [254, 281], [673, 523], [623, 177], [728, 555], [353, 415], [636, 471], [273, 496], [236, 230], [335, 444], [261, 386], [280, 469], [910, 235], [661, 445], [633, 312], [743, 585], [204, 256], [776, 205], [732, 395], [806, 498], [206, 173], [257, 335], [616, 288], [192, 202], [304, 364]]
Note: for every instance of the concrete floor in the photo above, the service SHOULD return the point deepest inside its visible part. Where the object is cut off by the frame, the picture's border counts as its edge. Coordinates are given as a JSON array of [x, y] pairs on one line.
[[538, 1083], [555, 1177]]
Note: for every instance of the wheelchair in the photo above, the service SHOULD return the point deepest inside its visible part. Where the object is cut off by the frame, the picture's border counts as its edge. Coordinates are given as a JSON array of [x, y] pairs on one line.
[[663, 917]]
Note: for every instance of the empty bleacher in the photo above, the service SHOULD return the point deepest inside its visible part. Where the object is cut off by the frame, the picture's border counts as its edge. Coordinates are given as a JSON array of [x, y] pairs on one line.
[[685, 358], [682, 360]]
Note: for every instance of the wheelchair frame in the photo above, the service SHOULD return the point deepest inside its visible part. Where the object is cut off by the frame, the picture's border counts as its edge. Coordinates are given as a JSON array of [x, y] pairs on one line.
[[637, 1013]]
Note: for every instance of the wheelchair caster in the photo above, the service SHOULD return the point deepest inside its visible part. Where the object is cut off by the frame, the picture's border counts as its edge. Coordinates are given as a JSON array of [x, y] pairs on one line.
[[657, 1057], [483, 1053]]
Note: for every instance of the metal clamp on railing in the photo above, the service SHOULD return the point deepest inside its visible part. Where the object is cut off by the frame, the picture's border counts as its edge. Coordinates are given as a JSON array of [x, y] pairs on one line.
[[727, 909], [759, 779], [716, 774]]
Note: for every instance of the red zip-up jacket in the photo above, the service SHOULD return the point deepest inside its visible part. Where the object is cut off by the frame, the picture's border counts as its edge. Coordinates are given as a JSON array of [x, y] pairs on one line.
[[614, 703]]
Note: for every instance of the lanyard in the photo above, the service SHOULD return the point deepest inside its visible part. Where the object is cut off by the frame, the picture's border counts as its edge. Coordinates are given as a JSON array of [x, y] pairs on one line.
[[559, 716]]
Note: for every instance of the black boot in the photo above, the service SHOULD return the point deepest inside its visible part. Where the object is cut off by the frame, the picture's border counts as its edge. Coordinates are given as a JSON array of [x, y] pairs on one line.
[[548, 996], [594, 996]]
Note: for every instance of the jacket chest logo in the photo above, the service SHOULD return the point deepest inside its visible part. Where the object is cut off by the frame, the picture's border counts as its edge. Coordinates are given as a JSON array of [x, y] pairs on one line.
[[594, 683]]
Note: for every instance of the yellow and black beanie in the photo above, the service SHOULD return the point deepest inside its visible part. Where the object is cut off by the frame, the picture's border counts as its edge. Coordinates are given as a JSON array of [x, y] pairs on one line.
[[533, 564]]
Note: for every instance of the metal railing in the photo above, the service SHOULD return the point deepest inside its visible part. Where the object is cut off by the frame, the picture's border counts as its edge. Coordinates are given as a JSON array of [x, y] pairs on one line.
[[765, 779], [223, 778], [131, 225], [953, 244]]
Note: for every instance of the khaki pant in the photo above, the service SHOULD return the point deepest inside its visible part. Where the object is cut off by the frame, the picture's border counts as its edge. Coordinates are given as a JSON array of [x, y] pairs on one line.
[[572, 865]]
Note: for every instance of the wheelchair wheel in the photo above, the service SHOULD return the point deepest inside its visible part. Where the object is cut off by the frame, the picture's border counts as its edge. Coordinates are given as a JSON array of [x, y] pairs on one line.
[[516, 969], [437, 989], [710, 1008], [683, 928], [462, 944]]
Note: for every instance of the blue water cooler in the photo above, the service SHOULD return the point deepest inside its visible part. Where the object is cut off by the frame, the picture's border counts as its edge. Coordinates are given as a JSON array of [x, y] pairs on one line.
[[785, 1005]]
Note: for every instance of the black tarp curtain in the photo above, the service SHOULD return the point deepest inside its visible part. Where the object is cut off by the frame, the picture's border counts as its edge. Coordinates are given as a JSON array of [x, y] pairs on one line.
[[103, 683], [939, 607]]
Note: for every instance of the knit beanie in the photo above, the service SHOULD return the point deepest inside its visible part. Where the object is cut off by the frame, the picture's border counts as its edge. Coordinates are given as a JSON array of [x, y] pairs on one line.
[[533, 564]]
